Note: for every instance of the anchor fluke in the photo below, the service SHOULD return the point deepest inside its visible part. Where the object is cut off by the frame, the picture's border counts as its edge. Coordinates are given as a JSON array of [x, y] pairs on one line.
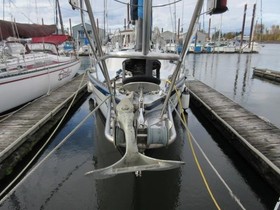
[[133, 163]]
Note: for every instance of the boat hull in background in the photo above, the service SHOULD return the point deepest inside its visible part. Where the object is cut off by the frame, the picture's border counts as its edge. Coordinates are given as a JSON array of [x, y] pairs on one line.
[[21, 88]]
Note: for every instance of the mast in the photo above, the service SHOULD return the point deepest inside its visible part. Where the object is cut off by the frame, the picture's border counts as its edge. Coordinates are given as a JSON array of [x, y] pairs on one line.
[[105, 14], [128, 20], [60, 16], [261, 22], [70, 25], [147, 20], [178, 35], [175, 22], [100, 51], [243, 26], [138, 16], [209, 28], [220, 31], [252, 26]]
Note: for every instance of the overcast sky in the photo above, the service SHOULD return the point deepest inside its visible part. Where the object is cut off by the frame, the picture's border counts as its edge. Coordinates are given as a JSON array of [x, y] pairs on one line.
[[33, 11]]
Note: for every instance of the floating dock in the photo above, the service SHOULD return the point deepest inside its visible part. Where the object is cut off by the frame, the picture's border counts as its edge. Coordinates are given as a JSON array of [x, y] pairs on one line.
[[258, 141], [267, 74], [21, 131]]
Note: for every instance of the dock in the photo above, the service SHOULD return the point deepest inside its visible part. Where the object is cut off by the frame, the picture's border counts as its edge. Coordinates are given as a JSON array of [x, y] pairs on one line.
[[21, 131], [256, 140], [267, 74]]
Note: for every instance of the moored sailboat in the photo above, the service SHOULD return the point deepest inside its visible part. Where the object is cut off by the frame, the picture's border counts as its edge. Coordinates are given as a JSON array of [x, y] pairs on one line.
[[32, 68], [137, 91]]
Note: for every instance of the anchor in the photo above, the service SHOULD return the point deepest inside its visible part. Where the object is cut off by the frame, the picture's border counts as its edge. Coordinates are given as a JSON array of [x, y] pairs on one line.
[[133, 160]]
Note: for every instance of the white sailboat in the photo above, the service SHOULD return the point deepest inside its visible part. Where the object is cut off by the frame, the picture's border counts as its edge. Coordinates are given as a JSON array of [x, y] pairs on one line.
[[30, 70], [32, 62], [137, 91]]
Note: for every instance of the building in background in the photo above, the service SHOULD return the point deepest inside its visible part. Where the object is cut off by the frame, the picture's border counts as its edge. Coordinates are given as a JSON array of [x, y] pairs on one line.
[[80, 36]]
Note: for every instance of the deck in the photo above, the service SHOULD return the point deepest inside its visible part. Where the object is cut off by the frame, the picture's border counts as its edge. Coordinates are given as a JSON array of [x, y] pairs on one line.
[[258, 141], [22, 130]]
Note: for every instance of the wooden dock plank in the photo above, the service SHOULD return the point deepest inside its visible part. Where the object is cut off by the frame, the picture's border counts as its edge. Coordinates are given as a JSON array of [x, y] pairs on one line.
[[267, 74], [229, 113], [22, 124], [245, 127]]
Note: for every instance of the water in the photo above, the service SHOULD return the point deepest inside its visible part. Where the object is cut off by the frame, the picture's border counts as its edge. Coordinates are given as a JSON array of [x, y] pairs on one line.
[[59, 183], [231, 75]]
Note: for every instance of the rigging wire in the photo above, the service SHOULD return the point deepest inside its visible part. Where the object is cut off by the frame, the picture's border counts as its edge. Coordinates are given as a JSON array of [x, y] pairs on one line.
[[184, 122], [10, 1], [171, 18], [182, 16]]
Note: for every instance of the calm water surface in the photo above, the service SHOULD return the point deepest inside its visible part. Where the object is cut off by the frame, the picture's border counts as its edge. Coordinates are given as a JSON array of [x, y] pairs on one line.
[[59, 183], [232, 76]]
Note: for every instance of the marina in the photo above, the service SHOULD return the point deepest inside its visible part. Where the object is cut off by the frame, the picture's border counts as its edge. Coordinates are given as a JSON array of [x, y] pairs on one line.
[[86, 150], [144, 128]]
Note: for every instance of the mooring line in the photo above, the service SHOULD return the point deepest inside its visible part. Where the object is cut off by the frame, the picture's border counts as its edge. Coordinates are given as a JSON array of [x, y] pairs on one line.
[[236, 199], [44, 145], [48, 155], [190, 139], [183, 120]]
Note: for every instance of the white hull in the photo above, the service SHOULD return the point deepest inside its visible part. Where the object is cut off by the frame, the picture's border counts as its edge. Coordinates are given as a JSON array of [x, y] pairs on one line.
[[23, 87], [153, 101], [229, 49], [171, 48], [254, 48], [99, 97]]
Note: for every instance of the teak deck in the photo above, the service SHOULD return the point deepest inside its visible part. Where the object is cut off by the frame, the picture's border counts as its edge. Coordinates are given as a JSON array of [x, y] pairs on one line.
[[258, 141], [42, 113]]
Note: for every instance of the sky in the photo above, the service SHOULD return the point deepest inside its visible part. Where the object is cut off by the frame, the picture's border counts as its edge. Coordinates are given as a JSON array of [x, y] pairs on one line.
[[33, 11]]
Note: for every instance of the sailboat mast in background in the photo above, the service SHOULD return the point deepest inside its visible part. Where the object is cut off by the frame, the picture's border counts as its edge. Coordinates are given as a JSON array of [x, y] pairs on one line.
[[60, 16]]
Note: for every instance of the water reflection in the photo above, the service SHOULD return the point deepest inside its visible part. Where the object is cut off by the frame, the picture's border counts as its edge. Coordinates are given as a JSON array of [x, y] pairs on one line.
[[59, 183], [261, 190], [216, 70], [236, 75], [194, 62], [217, 60]]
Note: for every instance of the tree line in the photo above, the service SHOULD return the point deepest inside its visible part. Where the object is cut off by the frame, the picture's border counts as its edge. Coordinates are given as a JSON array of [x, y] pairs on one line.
[[261, 34], [267, 34]]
